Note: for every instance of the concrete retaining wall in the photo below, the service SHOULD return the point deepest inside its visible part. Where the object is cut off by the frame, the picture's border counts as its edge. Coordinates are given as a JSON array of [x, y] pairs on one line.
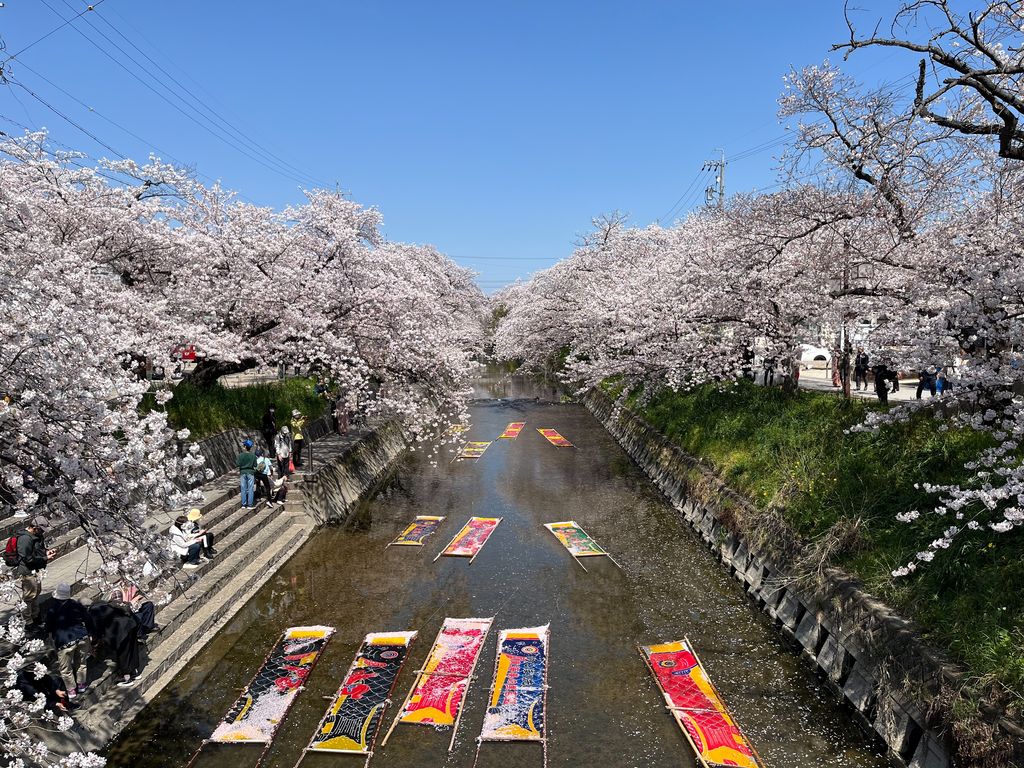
[[336, 486], [222, 449], [864, 652]]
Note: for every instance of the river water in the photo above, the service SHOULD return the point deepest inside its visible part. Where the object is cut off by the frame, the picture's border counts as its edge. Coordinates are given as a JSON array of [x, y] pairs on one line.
[[603, 706]]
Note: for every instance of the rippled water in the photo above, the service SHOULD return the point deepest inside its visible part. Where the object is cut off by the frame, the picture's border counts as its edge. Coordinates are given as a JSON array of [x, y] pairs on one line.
[[603, 706]]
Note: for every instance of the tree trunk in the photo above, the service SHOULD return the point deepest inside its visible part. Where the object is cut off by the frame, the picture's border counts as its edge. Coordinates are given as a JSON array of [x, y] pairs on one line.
[[207, 371]]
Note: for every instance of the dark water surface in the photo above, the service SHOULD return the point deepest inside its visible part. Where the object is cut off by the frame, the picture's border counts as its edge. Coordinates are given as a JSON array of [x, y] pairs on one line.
[[603, 707]]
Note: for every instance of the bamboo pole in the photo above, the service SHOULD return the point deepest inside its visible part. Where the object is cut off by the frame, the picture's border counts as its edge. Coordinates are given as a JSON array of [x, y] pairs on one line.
[[707, 677], [454, 539], [672, 710], [486, 540], [469, 680], [419, 675]]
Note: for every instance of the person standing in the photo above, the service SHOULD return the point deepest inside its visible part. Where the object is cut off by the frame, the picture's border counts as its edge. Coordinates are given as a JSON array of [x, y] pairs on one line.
[[769, 371], [32, 559], [926, 380], [246, 464], [68, 625], [298, 424], [264, 469], [860, 369], [283, 449], [882, 377], [269, 427]]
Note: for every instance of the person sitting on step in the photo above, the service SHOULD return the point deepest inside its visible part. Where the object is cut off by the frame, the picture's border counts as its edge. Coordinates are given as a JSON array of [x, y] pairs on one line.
[[195, 529], [185, 545]]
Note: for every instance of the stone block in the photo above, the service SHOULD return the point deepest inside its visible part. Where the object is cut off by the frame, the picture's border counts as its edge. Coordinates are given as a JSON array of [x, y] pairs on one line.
[[895, 724], [790, 611], [930, 753], [859, 689], [808, 632], [833, 659]]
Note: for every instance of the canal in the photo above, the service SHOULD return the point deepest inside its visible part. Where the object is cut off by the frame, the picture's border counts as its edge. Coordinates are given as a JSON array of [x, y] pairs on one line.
[[603, 706]]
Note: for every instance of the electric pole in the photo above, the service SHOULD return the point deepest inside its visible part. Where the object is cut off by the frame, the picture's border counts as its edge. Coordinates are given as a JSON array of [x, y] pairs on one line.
[[717, 190]]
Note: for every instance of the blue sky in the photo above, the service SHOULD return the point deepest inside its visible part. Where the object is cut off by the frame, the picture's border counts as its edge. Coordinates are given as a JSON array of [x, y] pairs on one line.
[[495, 131]]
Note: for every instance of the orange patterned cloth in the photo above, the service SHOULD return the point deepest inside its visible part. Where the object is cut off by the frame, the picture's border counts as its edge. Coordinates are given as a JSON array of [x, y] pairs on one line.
[[555, 439], [697, 707]]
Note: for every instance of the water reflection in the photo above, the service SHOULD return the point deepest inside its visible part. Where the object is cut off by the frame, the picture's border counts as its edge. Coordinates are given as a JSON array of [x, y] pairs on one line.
[[603, 707]]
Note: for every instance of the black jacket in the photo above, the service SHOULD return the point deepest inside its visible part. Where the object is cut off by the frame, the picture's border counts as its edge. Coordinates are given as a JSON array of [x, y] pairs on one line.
[[67, 622], [31, 553], [269, 423], [860, 363]]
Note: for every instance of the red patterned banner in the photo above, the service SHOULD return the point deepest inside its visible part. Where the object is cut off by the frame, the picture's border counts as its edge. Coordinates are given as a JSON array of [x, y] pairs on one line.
[[697, 706]]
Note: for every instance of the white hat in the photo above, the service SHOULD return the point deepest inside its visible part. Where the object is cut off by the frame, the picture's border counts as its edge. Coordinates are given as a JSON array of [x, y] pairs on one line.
[[62, 592], [296, 413]]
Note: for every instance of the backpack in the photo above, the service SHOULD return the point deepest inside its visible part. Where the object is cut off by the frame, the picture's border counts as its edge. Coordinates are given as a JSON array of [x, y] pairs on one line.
[[11, 557]]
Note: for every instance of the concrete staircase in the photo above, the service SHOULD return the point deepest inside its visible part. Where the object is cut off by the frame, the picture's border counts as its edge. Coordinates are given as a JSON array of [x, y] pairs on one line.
[[251, 546]]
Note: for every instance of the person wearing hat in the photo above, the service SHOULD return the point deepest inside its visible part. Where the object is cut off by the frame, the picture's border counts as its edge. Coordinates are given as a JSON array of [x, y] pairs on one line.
[[298, 424], [194, 529], [246, 463], [69, 626], [185, 545], [32, 559]]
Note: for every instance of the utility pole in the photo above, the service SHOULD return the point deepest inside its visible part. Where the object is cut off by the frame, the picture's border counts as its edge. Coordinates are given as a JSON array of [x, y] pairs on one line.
[[716, 191]]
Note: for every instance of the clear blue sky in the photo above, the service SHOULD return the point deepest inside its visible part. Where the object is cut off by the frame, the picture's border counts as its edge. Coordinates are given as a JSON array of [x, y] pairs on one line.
[[494, 131]]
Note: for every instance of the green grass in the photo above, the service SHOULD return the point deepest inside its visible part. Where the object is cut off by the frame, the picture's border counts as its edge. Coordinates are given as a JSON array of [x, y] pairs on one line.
[[207, 411], [794, 451]]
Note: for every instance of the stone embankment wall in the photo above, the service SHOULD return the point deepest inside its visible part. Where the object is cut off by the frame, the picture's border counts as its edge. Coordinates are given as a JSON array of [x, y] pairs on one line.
[[222, 449], [336, 486], [865, 652]]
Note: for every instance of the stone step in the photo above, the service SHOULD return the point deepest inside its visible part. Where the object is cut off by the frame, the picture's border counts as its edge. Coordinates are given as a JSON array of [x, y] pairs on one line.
[[205, 605]]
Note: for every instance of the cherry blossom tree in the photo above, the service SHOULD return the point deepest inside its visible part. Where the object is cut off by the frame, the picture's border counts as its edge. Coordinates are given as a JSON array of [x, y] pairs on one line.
[[105, 267]]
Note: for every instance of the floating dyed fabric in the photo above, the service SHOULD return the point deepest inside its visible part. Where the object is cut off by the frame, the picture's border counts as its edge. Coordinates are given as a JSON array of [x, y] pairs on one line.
[[265, 701], [555, 439], [418, 530], [458, 429], [515, 711], [437, 695], [575, 539], [351, 722], [697, 707], [512, 430], [473, 450], [470, 540], [438, 692]]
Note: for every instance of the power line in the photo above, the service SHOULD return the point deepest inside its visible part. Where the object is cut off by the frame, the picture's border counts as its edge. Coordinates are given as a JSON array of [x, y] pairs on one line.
[[67, 119], [217, 133], [664, 217], [237, 131], [52, 31]]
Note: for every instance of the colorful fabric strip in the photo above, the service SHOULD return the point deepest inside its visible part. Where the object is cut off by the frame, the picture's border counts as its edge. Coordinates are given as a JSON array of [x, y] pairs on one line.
[[512, 430], [554, 438], [471, 539], [515, 711], [575, 539], [418, 530], [473, 450], [437, 696], [258, 712], [353, 719], [697, 706]]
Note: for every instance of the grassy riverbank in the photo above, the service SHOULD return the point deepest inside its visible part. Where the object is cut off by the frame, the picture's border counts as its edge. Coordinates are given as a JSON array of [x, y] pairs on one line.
[[205, 411], [793, 452]]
